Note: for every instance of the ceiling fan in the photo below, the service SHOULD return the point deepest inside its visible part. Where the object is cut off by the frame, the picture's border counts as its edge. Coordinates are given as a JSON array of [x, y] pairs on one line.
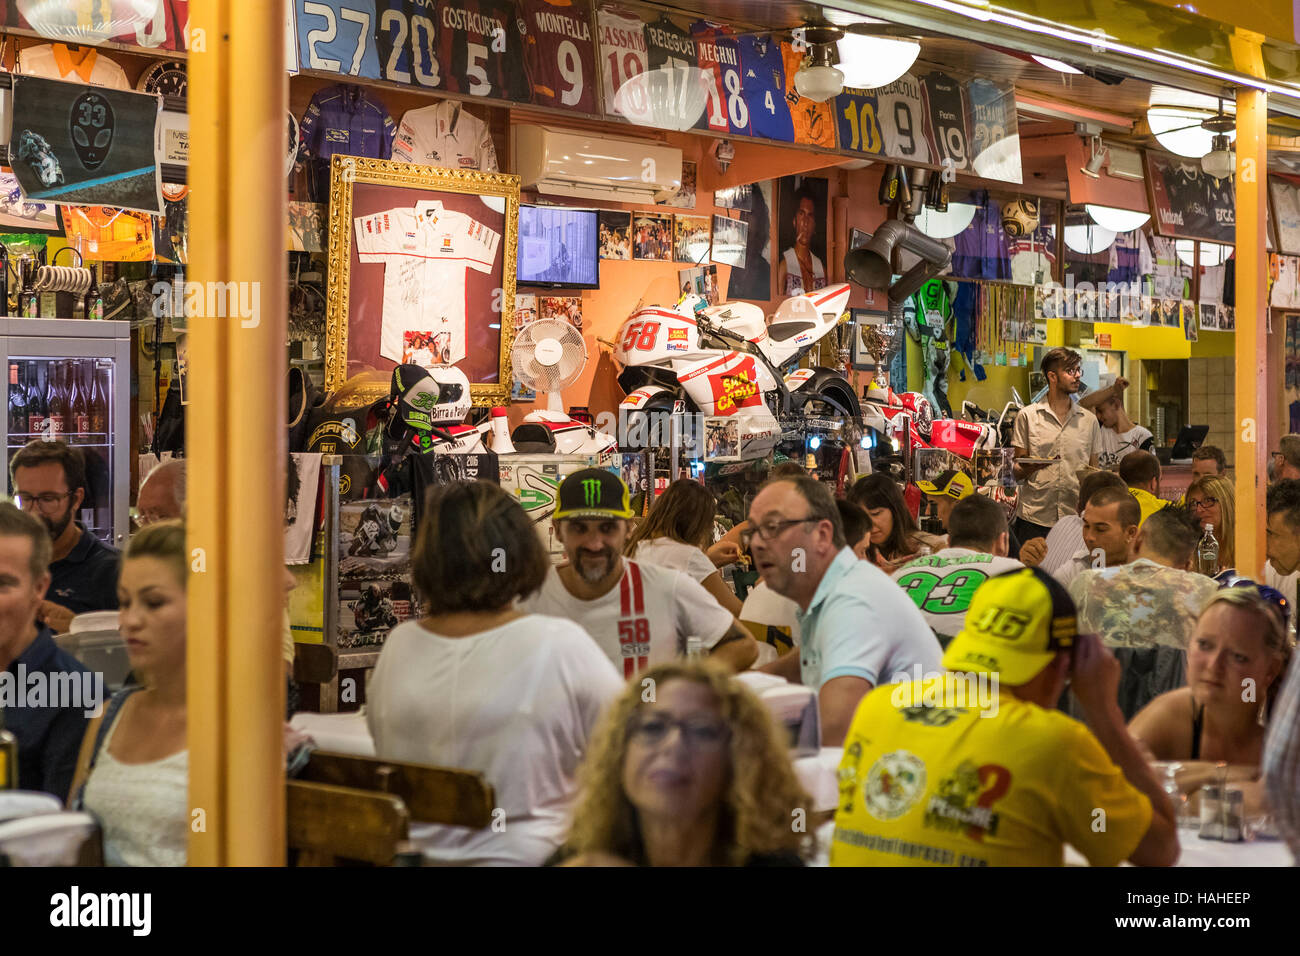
[[1220, 161]]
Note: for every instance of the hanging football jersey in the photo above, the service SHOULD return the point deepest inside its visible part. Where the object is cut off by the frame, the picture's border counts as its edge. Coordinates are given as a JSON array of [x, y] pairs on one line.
[[763, 86], [622, 57], [447, 135], [813, 123], [57, 62], [482, 50], [902, 119], [560, 53]]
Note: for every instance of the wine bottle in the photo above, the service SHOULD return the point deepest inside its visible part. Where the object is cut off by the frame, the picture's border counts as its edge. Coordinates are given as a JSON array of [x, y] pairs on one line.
[[29, 300], [78, 406], [17, 404], [98, 403], [56, 402], [36, 407]]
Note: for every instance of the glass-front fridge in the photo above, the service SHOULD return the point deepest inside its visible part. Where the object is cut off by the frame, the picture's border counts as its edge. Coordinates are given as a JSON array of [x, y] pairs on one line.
[[69, 379]]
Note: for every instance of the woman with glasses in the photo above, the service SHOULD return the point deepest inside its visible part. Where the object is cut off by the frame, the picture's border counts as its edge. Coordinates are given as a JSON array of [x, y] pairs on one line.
[[678, 532], [893, 529], [698, 774], [1236, 660], [1213, 502]]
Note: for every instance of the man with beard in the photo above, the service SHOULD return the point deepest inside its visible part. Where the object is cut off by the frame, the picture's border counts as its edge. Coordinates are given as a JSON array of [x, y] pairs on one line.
[[640, 615], [1057, 428], [49, 481]]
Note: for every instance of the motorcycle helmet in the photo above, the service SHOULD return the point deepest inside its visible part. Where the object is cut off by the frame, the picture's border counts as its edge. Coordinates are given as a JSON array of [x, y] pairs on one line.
[[396, 515], [922, 411], [420, 398]]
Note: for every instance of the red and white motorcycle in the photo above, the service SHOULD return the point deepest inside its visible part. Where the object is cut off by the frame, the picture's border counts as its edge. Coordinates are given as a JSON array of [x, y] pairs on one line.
[[728, 361]]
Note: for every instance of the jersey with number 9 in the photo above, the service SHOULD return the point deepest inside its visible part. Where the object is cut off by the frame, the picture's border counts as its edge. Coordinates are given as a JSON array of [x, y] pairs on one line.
[[560, 53], [902, 121]]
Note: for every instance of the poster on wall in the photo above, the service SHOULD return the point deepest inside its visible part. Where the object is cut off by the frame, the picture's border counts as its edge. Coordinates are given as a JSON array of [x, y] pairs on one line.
[[525, 312], [684, 198], [567, 308], [800, 235], [1209, 317], [752, 279], [615, 232], [19, 214], [1187, 203], [701, 281], [374, 560], [652, 236], [730, 239], [691, 239], [735, 197]]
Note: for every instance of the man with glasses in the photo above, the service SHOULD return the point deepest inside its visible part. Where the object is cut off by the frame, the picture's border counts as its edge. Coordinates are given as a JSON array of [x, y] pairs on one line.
[[49, 481], [858, 629], [1060, 428], [640, 614]]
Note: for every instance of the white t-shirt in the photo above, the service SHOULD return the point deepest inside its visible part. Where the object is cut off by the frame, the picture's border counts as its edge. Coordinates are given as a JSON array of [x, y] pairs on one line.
[[55, 61], [643, 620], [517, 703], [1286, 583], [667, 553], [623, 56], [425, 252], [445, 135], [1115, 446], [942, 584]]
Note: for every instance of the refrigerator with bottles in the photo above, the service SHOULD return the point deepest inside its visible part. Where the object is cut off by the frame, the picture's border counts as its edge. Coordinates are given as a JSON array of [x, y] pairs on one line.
[[69, 379]]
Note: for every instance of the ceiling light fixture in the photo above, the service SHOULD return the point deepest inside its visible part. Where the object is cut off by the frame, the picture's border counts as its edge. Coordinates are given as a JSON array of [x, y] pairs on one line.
[[1212, 253], [842, 18], [818, 79], [1117, 220], [1092, 169], [945, 225], [1058, 65], [869, 62], [1088, 239]]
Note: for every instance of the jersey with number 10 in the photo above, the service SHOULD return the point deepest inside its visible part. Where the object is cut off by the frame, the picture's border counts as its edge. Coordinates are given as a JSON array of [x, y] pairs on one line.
[[560, 53], [901, 117], [763, 86], [719, 58], [856, 116]]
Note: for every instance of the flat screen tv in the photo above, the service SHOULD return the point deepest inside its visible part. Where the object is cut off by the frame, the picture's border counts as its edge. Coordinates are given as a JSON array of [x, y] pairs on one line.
[[558, 248]]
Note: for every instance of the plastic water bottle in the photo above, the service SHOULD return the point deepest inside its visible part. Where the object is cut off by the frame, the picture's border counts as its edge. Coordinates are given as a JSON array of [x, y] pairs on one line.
[[1207, 552]]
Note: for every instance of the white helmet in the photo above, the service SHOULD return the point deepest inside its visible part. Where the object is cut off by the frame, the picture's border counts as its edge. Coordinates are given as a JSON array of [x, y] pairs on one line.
[[437, 395]]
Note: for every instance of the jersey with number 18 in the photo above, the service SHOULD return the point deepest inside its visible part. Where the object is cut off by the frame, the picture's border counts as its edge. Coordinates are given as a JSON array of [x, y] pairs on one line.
[[719, 58]]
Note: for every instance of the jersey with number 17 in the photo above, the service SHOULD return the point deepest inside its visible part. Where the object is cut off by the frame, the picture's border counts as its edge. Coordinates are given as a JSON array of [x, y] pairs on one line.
[[763, 86], [560, 53]]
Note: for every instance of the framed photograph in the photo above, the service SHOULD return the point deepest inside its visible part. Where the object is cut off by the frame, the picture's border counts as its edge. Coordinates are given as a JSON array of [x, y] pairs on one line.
[[701, 280], [652, 236], [1188, 204], [691, 239], [721, 438], [735, 197], [801, 235], [729, 240], [753, 279], [1285, 198], [615, 234], [1209, 316], [858, 238], [684, 198], [425, 250], [874, 339]]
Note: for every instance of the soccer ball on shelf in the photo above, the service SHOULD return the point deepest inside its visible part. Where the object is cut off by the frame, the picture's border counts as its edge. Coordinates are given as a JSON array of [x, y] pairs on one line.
[[1020, 217]]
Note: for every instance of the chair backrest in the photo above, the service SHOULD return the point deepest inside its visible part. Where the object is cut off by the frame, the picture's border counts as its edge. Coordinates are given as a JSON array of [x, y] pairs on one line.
[[431, 794], [51, 839], [325, 823], [315, 663]]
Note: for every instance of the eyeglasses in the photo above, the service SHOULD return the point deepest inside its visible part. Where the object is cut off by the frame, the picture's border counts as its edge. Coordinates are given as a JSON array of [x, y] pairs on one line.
[[1270, 596], [47, 503], [770, 530], [1204, 504], [700, 733]]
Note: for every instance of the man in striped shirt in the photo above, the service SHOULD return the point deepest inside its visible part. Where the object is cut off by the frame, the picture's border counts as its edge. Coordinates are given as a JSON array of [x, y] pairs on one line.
[[641, 615]]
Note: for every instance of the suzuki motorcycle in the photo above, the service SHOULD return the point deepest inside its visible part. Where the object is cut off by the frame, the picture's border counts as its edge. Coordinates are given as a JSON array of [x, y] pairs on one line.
[[727, 360]]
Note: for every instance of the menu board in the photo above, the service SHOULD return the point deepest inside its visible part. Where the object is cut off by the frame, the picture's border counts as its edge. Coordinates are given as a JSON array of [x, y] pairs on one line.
[[1187, 203]]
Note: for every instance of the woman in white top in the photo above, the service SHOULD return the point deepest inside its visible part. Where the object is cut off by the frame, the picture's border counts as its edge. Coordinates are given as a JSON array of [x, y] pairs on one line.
[[675, 535], [134, 762], [477, 685]]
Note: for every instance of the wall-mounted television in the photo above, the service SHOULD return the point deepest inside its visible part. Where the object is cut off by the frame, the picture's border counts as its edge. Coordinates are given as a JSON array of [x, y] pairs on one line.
[[558, 248]]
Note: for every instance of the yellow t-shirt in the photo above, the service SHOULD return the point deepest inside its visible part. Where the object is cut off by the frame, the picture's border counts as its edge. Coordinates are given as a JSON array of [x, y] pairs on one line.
[[948, 786], [1148, 502]]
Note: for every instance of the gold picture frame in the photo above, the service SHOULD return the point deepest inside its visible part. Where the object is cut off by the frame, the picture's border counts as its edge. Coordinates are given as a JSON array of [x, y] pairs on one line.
[[354, 338]]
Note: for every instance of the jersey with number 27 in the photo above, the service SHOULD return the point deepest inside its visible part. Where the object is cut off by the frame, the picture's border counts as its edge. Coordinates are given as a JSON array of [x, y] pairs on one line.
[[560, 53], [762, 83], [942, 584]]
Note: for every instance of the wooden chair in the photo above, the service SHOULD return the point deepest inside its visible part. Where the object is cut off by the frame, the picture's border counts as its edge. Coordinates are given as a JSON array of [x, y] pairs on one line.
[[360, 808]]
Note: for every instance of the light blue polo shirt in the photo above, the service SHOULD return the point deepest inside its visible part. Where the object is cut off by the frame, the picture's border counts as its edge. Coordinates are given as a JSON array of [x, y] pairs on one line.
[[861, 624]]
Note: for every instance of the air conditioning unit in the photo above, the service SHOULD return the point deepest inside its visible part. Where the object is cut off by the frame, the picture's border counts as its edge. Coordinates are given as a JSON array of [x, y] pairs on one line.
[[559, 162]]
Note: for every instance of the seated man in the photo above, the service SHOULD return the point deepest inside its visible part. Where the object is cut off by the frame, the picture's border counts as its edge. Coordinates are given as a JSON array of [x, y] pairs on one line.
[[938, 773], [49, 480], [942, 584], [1110, 523], [49, 729], [639, 614], [1146, 610], [1066, 537], [1141, 472], [1209, 461], [858, 629]]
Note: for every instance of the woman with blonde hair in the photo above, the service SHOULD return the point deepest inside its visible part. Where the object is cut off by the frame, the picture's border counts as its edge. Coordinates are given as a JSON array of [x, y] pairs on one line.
[[678, 534], [1213, 502], [697, 775]]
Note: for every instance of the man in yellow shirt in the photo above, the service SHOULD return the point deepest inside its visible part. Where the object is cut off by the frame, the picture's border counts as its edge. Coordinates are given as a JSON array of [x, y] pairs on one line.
[[1141, 472], [974, 767]]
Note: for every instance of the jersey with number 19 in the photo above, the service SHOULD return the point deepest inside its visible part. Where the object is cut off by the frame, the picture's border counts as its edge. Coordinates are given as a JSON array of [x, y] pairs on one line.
[[560, 53], [762, 84], [902, 122], [946, 117], [622, 57]]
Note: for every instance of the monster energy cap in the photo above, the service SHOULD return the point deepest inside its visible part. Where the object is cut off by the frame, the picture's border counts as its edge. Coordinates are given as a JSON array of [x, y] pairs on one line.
[[593, 493]]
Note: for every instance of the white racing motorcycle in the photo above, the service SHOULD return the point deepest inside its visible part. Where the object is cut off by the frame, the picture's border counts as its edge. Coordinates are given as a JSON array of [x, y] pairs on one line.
[[728, 361]]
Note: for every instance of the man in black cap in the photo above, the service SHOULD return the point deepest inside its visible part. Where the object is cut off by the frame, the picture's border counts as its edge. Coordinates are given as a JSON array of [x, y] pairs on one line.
[[639, 614]]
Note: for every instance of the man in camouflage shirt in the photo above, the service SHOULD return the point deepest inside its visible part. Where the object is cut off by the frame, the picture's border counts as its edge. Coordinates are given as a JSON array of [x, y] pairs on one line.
[[1145, 611]]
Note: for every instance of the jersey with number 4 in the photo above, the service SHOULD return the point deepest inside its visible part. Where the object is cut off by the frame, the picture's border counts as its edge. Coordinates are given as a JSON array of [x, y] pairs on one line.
[[719, 58], [762, 83], [560, 53], [902, 119], [623, 57], [942, 584]]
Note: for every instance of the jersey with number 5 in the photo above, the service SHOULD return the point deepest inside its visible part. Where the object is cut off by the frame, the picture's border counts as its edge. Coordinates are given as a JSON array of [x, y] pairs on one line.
[[560, 53], [337, 36], [902, 119], [719, 58], [480, 43], [762, 83]]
